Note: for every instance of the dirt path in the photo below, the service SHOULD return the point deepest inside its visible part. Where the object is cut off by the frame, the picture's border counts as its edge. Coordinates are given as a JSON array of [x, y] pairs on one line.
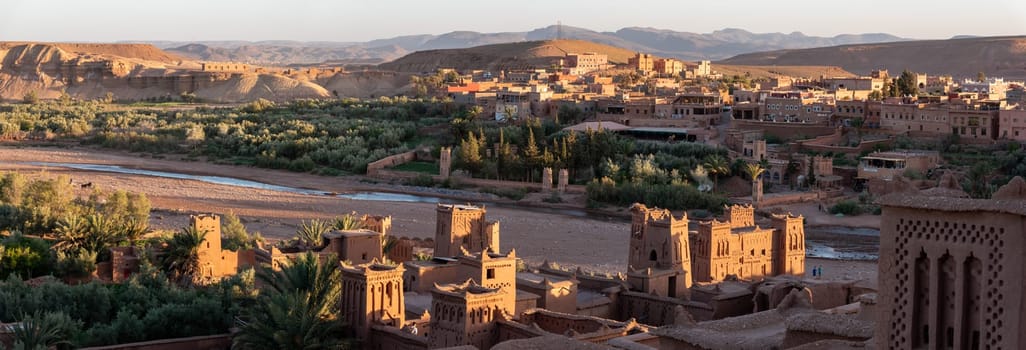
[[595, 244]]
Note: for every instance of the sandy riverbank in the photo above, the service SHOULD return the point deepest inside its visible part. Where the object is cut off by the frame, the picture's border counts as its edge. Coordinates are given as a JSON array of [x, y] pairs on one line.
[[595, 244]]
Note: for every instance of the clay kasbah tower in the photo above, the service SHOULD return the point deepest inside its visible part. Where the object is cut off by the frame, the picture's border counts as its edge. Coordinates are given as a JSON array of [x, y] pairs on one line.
[[951, 271]]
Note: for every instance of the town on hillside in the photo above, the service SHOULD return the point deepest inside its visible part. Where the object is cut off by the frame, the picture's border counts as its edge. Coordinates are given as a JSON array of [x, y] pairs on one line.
[[553, 194]]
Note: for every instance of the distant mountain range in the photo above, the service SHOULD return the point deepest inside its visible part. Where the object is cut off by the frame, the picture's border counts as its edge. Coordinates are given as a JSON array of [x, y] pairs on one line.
[[717, 45], [961, 57]]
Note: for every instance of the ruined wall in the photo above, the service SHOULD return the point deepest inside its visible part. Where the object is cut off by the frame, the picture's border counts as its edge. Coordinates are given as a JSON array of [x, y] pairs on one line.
[[509, 330], [560, 323], [648, 309], [391, 338], [390, 161], [786, 131]]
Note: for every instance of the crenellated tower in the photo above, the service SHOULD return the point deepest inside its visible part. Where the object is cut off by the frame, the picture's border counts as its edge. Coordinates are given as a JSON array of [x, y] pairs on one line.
[[659, 254], [464, 226]]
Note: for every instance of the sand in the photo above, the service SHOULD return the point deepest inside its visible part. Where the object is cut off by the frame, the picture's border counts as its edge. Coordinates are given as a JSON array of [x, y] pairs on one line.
[[596, 244]]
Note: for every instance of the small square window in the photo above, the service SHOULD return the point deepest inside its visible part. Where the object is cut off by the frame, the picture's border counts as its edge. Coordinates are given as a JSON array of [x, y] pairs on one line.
[[490, 273]]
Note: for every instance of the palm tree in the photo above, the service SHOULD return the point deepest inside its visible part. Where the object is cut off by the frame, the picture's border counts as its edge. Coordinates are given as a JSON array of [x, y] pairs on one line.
[[305, 273], [182, 258], [101, 233], [133, 230], [43, 331], [71, 233], [348, 222], [310, 234], [299, 309], [288, 321], [754, 170], [716, 165]]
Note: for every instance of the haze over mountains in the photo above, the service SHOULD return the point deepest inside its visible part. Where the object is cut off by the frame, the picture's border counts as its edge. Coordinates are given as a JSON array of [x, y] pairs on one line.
[[717, 45]]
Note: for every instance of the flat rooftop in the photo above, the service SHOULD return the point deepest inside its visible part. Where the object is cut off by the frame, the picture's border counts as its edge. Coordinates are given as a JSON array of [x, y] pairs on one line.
[[537, 277]]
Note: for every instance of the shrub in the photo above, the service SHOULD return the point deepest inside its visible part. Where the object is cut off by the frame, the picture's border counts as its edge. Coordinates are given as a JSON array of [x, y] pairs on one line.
[[76, 264], [846, 207], [553, 198], [25, 256], [510, 193], [422, 180]]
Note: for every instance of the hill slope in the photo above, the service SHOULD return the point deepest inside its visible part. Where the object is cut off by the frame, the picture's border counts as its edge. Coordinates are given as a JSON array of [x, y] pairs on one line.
[[139, 71], [520, 55], [964, 57], [719, 44]]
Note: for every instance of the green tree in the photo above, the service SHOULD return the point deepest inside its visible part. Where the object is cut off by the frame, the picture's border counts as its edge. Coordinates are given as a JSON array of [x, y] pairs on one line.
[[811, 177], [977, 182], [348, 222], [470, 153], [299, 309], [716, 165], [75, 264], [570, 115], [234, 235], [754, 170], [181, 261], [907, 84], [532, 155], [311, 233], [42, 331], [12, 188]]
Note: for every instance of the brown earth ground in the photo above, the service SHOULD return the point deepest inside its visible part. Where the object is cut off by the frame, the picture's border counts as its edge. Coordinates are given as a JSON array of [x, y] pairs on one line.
[[594, 243]]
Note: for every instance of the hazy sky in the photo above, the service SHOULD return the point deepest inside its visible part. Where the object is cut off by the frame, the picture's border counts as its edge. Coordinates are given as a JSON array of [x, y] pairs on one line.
[[360, 20]]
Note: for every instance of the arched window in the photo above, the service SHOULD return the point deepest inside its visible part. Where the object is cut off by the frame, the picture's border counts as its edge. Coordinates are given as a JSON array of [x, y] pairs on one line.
[[652, 256]]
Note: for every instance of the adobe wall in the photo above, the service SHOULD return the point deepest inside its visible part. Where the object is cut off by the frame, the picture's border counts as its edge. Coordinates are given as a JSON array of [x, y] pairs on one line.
[[391, 338], [421, 279], [785, 131], [584, 281], [794, 338], [391, 161], [863, 146], [209, 342], [560, 323], [605, 310], [793, 197], [649, 309], [959, 254], [509, 330], [554, 299]]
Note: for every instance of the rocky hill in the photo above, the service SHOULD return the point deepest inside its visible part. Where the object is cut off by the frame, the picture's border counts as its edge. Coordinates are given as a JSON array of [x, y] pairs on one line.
[[519, 55], [291, 55], [961, 57], [140, 71], [718, 44]]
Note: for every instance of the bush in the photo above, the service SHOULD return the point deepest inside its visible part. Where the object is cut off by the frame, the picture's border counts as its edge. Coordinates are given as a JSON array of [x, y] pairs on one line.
[[846, 207], [77, 264], [674, 196], [422, 180], [25, 256], [510, 193], [553, 198], [145, 308]]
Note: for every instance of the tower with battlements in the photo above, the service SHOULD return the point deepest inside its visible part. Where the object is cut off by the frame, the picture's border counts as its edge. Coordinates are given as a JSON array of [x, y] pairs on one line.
[[464, 227], [372, 293], [659, 253]]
